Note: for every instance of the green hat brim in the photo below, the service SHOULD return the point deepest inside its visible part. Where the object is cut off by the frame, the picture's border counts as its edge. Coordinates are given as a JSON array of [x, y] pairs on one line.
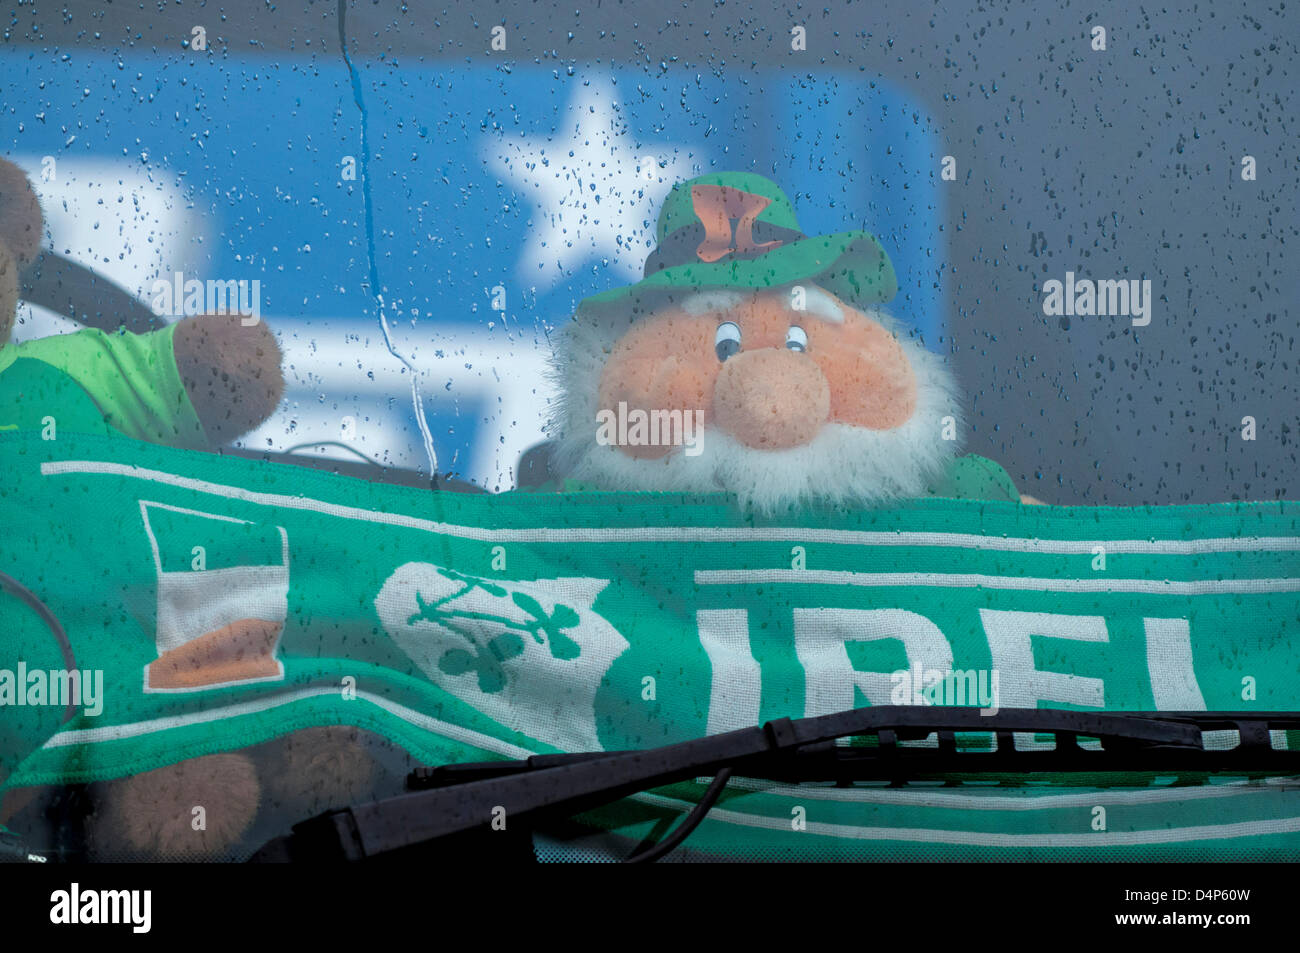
[[850, 265]]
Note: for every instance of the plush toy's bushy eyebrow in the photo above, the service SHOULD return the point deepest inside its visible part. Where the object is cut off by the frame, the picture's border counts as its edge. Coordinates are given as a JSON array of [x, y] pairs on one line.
[[820, 303], [704, 302], [816, 302]]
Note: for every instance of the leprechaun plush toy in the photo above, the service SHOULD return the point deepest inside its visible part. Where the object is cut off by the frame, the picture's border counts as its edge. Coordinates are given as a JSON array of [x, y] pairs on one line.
[[757, 360]]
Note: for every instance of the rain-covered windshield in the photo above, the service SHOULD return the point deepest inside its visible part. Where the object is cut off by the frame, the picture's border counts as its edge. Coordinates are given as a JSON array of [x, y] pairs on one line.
[[776, 361], [432, 201]]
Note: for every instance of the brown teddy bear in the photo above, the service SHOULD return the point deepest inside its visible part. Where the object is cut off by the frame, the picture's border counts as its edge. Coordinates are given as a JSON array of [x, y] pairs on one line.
[[199, 383]]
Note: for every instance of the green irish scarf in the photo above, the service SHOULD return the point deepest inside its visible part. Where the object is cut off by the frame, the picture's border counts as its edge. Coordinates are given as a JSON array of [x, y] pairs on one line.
[[468, 627]]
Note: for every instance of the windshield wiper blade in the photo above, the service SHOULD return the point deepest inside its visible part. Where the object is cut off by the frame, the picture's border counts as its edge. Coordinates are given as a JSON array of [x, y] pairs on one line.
[[455, 800]]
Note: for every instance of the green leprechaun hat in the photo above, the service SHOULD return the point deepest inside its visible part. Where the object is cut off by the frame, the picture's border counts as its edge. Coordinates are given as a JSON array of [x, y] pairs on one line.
[[739, 230]]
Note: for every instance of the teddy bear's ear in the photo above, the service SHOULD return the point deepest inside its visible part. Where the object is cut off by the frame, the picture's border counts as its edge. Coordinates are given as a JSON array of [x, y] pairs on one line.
[[20, 214], [231, 373]]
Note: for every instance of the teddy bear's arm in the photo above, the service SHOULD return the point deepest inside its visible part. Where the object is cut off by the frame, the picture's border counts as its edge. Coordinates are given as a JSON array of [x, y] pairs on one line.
[[131, 378], [197, 383], [979, 478], [972, 477]]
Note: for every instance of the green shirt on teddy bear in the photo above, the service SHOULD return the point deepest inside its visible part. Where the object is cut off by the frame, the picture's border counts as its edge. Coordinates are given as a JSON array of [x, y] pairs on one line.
[[99, 383]]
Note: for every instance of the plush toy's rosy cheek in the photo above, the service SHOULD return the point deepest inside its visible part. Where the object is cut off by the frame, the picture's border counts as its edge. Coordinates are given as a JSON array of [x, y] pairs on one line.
[[872, 383], [665, 364]]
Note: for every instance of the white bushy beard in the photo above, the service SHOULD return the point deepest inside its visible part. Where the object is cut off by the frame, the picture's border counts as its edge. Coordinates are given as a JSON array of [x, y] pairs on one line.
[[842, 464]]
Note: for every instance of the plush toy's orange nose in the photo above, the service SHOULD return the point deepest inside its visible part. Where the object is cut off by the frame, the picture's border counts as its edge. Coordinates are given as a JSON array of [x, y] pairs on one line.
[[771, 398]]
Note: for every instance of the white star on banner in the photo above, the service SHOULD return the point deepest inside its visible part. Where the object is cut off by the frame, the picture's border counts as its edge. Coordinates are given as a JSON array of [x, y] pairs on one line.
[[597, 188]]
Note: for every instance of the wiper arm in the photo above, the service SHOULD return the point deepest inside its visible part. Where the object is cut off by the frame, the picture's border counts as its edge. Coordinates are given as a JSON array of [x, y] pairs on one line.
[[459, 799]]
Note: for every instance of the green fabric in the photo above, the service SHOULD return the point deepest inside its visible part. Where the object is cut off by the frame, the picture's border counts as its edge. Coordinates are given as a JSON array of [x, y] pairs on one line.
[[37, 396], [851, 265], [972, 477], [476, 626], [131, 378]]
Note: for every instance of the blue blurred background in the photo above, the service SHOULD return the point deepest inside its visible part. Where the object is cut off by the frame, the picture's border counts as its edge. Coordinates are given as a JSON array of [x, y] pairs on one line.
[[531, 187], [538, 170]]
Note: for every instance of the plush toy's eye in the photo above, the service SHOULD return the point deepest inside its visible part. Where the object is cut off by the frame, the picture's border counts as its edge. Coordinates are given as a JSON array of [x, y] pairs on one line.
[[796, 339], [727, 341]]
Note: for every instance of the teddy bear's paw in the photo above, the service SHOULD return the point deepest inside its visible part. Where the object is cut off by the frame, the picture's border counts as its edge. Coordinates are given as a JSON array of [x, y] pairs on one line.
[[320, 769], [231, 372], [192, 810]]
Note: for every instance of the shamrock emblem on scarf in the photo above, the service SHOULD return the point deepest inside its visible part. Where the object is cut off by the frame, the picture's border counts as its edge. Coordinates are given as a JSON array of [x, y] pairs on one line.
[[487, 658], [486, 661]]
